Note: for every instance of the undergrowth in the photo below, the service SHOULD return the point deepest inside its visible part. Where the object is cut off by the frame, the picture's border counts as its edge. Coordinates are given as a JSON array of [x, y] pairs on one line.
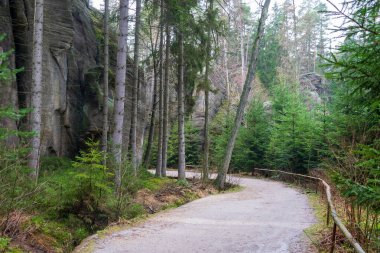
[[72, 200]]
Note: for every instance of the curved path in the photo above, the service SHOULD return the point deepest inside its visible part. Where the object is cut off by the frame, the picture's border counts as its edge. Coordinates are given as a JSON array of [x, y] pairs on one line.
[[265, 217]]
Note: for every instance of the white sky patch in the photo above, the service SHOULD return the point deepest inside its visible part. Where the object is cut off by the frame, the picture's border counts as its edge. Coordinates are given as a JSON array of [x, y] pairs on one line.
[[99, 4]]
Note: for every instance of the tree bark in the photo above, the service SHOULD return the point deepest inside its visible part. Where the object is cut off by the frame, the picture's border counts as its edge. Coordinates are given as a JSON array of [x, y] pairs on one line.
[[165, 135], [225, 56], [36, 99], [181, 111], [295, 37], [244, 96], [161, 96], [135, 88], [241, 28], [121, 71], [206, 90], [153, 47], [105, 81], [148, 152]]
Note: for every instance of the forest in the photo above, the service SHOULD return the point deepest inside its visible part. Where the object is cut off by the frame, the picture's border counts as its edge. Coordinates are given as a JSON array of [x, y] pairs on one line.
[[100, 101]]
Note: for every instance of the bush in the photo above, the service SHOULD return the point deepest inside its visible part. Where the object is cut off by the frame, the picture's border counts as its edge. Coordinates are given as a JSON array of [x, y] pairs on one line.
[[5, 247], [133, 210]]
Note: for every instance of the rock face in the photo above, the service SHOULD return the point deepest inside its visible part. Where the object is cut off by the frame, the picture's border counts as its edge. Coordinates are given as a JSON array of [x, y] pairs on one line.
[[72, 73], [313, 86], [220, 90]]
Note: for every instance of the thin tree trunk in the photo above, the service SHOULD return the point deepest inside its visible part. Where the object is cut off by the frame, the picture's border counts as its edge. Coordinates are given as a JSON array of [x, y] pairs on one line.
[[225, 49], [296, 53], [206, 90], [161, 91], [244, 97], [36, 99], [135, 88], [165, 135], [121, 71], [105, 82], [181, 111], [148, 152], [153, 44], [242, 55], [241, 28]]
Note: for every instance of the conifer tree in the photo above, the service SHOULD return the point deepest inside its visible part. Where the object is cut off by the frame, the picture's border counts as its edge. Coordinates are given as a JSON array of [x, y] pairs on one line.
[[36, 92], [117, 138], [244, 96]]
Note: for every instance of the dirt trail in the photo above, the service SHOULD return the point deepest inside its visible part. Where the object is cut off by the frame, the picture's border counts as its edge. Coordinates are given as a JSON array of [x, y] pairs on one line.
[[265, 217]]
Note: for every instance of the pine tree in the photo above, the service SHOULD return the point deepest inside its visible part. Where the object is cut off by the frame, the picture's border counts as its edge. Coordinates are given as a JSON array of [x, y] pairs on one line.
[[121, 72], [161, 95], [149, 30], [244, 96], [35, 116], [206, 91], [105, 80], [165, 134], [135, 87], [181, 109]]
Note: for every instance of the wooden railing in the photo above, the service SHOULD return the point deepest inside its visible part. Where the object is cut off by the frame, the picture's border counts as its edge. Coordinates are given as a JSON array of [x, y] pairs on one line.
[[330, 211]]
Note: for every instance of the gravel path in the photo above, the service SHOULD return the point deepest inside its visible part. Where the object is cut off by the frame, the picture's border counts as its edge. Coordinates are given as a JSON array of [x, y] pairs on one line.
[[265, 217]]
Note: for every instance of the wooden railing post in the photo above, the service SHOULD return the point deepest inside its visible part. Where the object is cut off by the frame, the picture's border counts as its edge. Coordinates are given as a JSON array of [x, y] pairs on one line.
[[333, 239]]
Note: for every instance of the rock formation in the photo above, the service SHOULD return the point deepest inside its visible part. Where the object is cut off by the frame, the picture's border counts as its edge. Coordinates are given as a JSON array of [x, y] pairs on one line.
[[72, 103]]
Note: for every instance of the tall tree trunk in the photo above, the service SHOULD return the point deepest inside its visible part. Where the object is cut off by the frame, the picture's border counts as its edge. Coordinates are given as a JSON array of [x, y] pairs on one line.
[[206, 90], [36, 99], [181, 110], [165, 135], [148, 152], [295, 37], [135, 88], [161, 96], [105, 81], [153, 45], [244, 96], [225, 56], [121, 71], [241, 28]]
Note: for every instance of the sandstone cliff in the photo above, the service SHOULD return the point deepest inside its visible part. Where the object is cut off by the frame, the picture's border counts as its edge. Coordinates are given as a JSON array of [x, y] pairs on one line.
[[72, 104]]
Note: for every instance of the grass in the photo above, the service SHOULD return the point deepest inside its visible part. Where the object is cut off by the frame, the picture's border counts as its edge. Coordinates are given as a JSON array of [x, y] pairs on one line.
[[155, 183], [317, 232]]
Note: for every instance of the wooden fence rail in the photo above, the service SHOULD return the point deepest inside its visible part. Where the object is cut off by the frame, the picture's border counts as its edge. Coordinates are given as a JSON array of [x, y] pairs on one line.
[[330, 211]]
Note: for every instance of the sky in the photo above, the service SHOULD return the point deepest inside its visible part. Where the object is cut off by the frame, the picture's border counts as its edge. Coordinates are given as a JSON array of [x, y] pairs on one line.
[[253, 4]]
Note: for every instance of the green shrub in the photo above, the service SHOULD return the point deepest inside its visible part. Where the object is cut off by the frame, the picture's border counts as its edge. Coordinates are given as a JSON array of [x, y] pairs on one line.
[[133, 210], [82, 188], [54, 163], [4, 242], [6, 248]]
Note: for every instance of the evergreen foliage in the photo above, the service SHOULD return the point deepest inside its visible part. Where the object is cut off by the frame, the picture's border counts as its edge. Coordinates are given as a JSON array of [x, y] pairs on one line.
[[295, 132], [355, 112]]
